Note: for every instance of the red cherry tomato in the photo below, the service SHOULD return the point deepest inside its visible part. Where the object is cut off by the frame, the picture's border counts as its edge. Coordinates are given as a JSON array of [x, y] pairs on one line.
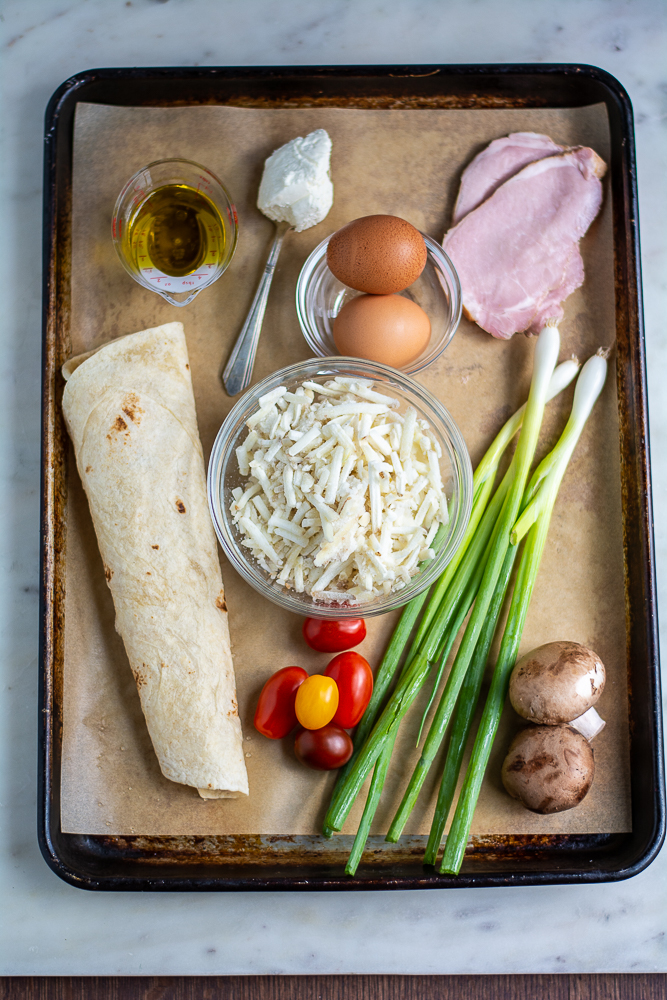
[[275, 716], [333, 636], [354, 679], [323, 749]]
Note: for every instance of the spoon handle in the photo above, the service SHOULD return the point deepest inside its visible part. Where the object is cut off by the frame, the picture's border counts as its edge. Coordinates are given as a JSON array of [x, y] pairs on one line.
[[238, 371]]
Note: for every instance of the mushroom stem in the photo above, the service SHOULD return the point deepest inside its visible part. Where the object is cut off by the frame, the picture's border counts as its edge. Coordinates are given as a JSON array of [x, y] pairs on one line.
[[589, 724]]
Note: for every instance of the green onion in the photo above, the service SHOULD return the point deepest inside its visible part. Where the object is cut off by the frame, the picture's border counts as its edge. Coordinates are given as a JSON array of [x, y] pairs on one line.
[[528, 566], [388, 667], [372, 802], [381, 684], [438, 604], [480, 501], [465, 709], [478, 549], [382, 763], [547, 483], [546, 353], [483, 484]]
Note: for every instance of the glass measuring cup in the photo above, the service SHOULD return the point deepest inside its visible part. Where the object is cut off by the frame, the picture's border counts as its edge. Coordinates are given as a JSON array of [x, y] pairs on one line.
[[207, 210]]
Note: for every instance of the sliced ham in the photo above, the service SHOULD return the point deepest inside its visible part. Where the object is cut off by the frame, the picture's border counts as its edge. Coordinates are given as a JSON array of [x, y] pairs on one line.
[[550, 307], [501, 159], [517, 253]]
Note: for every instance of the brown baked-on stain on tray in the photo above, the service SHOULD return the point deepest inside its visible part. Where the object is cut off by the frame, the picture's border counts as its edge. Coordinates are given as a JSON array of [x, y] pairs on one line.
[[379, 102]]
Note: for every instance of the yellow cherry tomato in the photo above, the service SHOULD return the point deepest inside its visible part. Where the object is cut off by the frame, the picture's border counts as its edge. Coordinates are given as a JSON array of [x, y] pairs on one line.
[[316, 701]]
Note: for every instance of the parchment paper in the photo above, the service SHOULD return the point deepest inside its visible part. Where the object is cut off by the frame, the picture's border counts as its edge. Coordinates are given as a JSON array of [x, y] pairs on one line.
[[405, 163]]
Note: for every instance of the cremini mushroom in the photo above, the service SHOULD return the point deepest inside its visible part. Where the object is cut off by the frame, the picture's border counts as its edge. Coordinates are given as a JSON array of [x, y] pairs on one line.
[[556, 683], [549, 768]]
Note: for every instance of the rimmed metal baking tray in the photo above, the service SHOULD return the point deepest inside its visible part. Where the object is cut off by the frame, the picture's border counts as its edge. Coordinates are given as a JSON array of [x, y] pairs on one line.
[[256, 863]]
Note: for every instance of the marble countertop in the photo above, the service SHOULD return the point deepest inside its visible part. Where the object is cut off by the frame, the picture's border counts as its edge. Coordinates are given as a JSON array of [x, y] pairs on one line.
[[51, 928]]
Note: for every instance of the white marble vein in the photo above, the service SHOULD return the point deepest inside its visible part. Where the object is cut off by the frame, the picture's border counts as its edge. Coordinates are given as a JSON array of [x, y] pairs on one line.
[[52, 929]]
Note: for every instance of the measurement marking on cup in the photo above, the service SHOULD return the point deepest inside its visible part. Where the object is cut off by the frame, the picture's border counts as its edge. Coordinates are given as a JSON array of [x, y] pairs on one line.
[[183, 281]]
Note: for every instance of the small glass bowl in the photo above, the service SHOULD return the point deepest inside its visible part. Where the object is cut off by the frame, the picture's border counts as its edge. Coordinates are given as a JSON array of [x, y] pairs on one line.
[[320, 297], [224, 476]]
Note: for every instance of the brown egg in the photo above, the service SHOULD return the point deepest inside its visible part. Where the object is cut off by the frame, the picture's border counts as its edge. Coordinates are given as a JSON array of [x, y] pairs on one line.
[[380, 254], [386, 328]]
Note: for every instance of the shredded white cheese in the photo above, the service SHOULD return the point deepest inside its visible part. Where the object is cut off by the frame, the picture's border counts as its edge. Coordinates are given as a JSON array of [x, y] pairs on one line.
[[343, 494]]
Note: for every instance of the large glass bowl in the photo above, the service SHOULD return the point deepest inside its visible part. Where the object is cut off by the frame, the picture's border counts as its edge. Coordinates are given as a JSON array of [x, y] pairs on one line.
[[320, 297], [224, 476]]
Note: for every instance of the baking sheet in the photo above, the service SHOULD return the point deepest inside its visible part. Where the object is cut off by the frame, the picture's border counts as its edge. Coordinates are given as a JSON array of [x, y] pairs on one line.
[[400, 162]]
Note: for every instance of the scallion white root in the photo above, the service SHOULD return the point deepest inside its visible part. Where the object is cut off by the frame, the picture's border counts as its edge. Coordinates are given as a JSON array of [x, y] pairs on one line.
[[550, 471], [561, 378]]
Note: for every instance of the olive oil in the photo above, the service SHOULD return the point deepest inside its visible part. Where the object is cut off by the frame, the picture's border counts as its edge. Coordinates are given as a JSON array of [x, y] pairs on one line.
[[176, 232]]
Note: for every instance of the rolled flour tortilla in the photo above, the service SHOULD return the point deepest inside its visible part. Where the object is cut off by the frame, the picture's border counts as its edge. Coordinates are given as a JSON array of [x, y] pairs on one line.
[[130, 411]]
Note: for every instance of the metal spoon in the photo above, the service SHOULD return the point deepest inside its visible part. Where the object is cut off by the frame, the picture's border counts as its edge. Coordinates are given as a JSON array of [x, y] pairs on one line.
[[295, 185], [238, 372]]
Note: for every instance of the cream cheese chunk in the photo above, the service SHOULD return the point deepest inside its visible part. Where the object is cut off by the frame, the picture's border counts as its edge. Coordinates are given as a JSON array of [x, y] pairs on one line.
[[296, 186]]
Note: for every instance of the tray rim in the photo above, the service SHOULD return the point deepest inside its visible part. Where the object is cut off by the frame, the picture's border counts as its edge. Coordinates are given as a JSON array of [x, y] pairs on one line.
[[627, 271]]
